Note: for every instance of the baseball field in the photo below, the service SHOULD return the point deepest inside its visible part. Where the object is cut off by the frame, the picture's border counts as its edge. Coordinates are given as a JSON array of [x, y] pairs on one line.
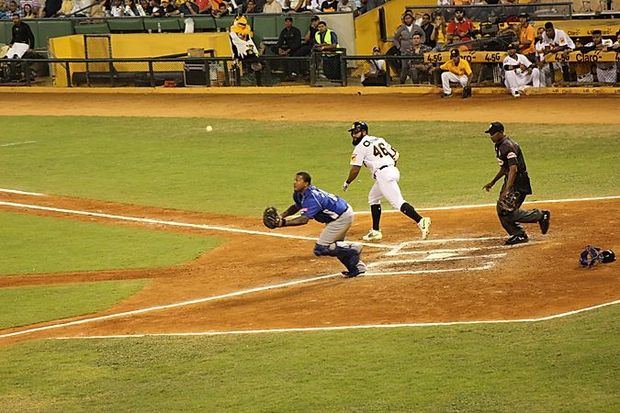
[[136, 275]]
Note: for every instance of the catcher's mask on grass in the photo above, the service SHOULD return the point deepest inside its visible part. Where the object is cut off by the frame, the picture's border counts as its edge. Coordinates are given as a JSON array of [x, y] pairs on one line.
[[358, 127], [593, 255]]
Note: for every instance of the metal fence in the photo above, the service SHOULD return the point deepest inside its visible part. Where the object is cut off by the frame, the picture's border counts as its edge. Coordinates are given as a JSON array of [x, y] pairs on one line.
[[332, 68]]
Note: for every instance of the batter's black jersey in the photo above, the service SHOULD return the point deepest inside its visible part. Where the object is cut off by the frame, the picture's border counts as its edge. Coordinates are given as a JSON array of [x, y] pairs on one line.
[[508, 152]]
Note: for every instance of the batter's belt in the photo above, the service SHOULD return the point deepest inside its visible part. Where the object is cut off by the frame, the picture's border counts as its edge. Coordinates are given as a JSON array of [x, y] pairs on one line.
[[374, 176]]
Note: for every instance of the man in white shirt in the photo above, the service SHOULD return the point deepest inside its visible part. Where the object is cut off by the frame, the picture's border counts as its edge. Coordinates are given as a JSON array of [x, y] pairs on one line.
[[605, 71], [380, 159], [519, 72], [555, 41]]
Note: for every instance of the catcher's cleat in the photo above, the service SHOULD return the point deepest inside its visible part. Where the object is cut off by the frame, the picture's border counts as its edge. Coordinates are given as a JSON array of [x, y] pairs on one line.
[[359, 269], [544, 222], [373, 236], [425, 227], [517, 239]]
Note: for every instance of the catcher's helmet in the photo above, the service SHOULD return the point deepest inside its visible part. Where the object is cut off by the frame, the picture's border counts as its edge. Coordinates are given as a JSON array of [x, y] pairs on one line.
[[359, 126], [592, 255]]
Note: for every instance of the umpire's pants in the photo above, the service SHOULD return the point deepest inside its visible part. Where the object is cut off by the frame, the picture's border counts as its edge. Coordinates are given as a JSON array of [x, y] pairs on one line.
[[511, 221]]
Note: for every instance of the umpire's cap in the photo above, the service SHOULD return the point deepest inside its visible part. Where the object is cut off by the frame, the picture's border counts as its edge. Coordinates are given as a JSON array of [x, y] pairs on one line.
[[359, 126], [494, 128]]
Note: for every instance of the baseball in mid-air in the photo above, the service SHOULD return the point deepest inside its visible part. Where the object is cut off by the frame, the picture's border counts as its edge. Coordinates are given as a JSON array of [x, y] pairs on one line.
[[209, 128]]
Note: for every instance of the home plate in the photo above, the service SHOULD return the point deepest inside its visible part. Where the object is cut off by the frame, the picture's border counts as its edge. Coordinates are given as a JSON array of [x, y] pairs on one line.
[[440, 255]]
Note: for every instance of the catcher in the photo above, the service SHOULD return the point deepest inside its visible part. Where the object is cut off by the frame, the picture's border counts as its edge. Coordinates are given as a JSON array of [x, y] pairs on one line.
[[516, 187], [328, 209]]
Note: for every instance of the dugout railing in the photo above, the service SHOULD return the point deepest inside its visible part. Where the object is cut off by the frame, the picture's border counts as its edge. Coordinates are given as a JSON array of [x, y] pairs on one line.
[[332, 68]]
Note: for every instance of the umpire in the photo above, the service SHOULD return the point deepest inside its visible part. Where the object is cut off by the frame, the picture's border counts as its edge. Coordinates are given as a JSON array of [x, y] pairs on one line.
[[515, 188]]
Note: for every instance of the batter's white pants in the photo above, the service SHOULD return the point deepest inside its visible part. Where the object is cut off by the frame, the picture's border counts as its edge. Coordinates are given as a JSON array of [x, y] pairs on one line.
[[386, 186], [447, 77], [516, 81]]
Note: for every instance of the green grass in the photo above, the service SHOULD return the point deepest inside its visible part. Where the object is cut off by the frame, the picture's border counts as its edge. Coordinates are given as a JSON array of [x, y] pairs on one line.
[[244, 165], [32, 244], [27, 305], [568, 365]]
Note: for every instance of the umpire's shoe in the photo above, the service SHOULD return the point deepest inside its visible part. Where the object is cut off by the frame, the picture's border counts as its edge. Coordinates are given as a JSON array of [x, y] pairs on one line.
[[544, 221], [517, 239]]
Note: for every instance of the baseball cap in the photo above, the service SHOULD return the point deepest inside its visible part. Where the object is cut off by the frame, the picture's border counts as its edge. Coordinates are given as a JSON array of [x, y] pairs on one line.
[[495, 127], [512, 46], [454, 53], [527, 16]]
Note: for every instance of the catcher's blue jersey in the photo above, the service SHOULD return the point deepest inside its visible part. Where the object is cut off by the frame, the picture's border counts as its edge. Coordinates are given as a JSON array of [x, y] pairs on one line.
[[320, 205]]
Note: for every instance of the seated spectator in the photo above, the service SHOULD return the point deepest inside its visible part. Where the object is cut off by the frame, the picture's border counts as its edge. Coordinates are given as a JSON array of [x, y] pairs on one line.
[[429, 30], [272, 7], [117, 8], [527, 36], [605, 71], [132, 9], [440, 34], [445, 3], [329, 6], [587, 7], [415, 67], [457, 70], [189, 8], [325, 41], [21, 33], [220, 11], [460, 28], [28, 12], [35, 6], [97, 10], [249, 7], [67, 7], [14, 8], [299, 6], [81, 8], [289, 42], [519, 72], [376, 73], [51, 8], [167, 8], [345, 6]]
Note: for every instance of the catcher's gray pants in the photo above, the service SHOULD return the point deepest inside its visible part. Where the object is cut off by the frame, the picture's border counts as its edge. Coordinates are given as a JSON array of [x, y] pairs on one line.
[[511, 221], [336, 230]]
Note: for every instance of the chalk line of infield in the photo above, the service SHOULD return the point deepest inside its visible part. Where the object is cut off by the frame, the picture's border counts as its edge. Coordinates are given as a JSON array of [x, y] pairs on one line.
[[351, 327]]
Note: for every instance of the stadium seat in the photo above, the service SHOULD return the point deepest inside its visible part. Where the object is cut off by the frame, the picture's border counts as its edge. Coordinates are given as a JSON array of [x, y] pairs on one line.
[[166, 24], [93, 28], [264, 26], [52, 28], [204, 24], [126, 25]]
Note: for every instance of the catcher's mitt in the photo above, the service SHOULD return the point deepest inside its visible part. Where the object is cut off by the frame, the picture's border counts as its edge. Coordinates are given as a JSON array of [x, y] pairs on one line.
[[271, 218], [508, 203], [466, 92]]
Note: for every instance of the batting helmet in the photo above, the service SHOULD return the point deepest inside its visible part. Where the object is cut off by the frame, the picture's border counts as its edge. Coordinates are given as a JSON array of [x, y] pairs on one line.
[[359, 126]]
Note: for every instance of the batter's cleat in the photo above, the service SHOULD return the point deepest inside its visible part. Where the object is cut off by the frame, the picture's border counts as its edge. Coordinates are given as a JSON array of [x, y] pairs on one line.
[[373, 236], [359, 269], [425, 227], [544, 222], [446, 95], [517, 239]]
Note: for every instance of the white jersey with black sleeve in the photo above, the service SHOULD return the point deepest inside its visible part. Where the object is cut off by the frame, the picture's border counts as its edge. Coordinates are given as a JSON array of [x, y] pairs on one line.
[[375, 153]]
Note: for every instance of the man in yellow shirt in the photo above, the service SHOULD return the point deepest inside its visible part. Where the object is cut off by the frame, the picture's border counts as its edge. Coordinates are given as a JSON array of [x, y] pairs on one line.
[[457, 70], [527, 37]]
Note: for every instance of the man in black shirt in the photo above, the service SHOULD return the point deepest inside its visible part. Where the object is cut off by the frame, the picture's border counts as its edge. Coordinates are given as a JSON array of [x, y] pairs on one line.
[[21, 32], [288, 43], [306, 46], [512, 168]]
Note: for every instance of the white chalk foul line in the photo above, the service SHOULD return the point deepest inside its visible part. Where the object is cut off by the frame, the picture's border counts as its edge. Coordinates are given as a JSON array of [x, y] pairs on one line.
[[549, 201], [15, 191], [225, 296], [169, 306], [352, 327], [399, 250], [18, 143], [172, 223]]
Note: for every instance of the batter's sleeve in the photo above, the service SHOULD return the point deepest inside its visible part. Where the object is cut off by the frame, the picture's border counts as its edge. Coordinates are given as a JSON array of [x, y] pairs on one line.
[[357, 157]]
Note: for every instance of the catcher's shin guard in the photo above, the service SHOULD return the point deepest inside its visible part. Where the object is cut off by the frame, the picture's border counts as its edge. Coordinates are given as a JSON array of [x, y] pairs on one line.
[[338, 249]]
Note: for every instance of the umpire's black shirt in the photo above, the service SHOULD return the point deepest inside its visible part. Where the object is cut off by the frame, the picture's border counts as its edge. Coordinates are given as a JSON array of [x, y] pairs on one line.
[[22, 34], [509, 153]]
